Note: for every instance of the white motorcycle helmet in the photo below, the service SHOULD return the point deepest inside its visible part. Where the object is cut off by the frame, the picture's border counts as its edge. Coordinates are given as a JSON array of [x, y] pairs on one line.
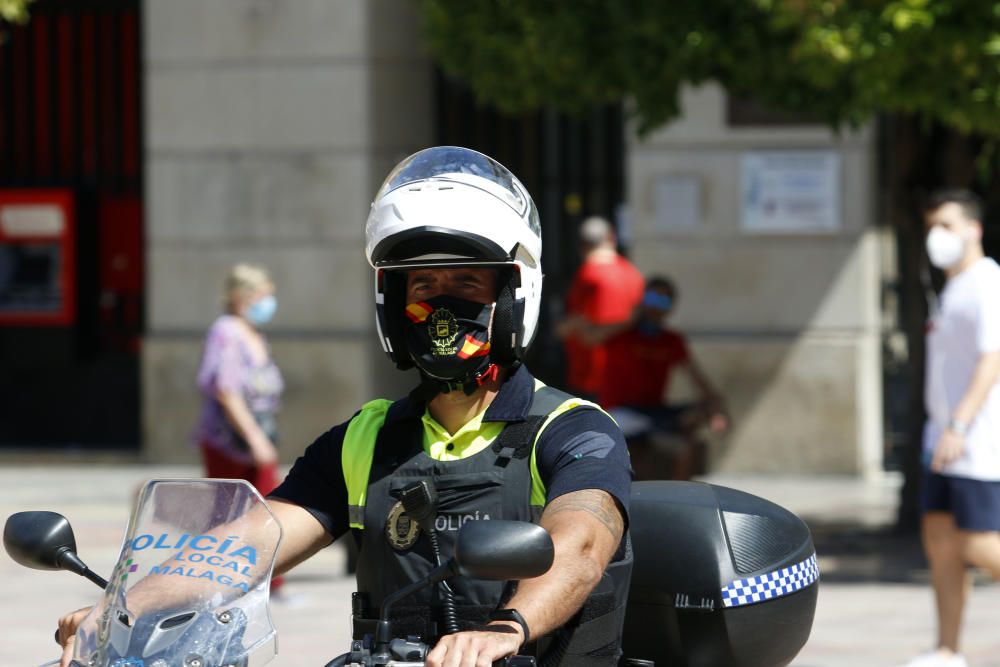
[[452, 206]]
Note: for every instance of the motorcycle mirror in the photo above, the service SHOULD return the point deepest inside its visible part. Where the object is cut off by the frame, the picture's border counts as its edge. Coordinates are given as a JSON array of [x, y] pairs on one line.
[[36, 539], [45, 541], [503, 550]]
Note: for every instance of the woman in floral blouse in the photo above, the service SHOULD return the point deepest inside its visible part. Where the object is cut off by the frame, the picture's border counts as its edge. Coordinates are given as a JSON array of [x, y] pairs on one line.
[[240, 384]]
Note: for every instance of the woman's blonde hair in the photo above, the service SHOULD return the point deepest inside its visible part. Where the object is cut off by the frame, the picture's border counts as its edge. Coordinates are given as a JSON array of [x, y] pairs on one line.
[[244, 279]]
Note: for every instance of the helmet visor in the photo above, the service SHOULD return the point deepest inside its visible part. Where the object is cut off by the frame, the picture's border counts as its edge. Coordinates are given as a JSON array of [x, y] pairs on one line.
[[462, 165]]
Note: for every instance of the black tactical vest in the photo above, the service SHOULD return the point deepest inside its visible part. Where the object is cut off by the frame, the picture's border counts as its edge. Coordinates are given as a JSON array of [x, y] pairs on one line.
[[494, 483]]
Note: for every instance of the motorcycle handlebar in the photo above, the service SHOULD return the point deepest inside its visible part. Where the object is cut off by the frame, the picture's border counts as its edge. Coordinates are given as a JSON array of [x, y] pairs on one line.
[[516, 661], [512, 661]]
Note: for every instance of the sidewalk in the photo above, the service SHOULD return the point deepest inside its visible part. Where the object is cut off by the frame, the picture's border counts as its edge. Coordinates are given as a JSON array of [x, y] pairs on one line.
[[875, 606]]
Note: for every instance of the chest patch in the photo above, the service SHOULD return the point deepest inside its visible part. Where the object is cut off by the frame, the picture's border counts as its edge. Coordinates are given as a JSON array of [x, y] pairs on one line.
[[401, 531]]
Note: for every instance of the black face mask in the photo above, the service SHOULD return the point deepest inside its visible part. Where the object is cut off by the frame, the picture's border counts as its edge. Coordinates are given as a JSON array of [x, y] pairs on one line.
[[449, 338]]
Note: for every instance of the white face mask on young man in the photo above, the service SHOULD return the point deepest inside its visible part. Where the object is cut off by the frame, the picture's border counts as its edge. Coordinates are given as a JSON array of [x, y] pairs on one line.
[[945, 248]]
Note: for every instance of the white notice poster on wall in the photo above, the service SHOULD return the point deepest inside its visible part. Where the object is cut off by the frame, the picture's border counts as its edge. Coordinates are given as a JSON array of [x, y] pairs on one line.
[[790, 191]]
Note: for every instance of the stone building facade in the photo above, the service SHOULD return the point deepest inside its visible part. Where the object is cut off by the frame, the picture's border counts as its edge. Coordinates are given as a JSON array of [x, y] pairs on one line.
[[268, 127]]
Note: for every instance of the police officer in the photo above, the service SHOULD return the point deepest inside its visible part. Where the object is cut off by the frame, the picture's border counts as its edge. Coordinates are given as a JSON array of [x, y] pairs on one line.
[[455, 242]]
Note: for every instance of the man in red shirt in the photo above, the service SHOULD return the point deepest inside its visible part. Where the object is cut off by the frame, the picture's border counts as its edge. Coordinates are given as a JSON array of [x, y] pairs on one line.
[[641, 356], [605, 290]]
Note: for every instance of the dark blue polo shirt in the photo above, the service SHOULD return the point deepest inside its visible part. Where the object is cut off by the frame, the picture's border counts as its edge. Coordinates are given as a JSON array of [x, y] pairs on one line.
[[580, 449]]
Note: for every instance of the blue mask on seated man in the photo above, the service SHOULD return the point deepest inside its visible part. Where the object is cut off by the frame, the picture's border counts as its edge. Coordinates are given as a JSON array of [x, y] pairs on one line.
[[652, 299]]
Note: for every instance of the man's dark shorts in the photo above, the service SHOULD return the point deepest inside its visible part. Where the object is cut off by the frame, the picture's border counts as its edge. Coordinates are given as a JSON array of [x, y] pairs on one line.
[[974, 503]]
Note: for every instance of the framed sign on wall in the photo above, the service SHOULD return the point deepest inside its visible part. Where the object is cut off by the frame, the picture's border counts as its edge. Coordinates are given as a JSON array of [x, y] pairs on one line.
[[790, 191]]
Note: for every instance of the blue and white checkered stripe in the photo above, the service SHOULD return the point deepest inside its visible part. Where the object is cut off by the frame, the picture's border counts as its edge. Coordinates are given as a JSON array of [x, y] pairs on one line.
[[771, 585]]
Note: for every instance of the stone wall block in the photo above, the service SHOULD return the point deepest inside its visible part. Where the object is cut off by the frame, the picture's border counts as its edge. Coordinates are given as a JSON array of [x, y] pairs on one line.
[[256, 107], [253, 197], [321, 288], [793, 404], [311, 107], [394, 30], [199, 109], [196, 31], [779, 285], [409, 84]]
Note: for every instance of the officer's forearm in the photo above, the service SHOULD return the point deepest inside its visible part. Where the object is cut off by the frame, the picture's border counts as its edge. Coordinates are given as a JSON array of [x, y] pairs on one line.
[[586, 528], [302, 535]]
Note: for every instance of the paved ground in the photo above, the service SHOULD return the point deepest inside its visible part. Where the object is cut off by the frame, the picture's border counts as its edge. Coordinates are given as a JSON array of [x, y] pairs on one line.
[[875, 608]]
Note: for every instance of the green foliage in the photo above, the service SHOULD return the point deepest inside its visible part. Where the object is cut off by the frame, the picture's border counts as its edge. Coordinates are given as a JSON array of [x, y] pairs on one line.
[[14, 11], [838, 60]]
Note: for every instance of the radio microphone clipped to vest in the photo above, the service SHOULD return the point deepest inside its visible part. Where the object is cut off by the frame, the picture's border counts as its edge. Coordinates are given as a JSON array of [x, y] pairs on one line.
[[420, 501]]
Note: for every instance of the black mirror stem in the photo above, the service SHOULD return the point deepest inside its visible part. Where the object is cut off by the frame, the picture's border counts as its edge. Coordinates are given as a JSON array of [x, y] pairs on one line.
[[68, 560]]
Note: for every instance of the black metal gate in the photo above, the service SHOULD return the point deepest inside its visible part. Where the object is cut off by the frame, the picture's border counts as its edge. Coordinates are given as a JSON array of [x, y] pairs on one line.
[[574, 167], [70, 118]]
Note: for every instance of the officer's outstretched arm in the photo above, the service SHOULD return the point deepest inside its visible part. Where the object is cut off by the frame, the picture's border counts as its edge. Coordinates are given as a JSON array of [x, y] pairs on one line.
[[586, 528], [301, 535]]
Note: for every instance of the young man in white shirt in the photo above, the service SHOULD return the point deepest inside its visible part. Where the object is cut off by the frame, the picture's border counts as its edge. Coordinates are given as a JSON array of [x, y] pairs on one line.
[[961, 496]]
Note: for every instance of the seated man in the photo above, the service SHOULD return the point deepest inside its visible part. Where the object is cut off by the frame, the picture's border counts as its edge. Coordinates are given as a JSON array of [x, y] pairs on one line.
[[642, 355]]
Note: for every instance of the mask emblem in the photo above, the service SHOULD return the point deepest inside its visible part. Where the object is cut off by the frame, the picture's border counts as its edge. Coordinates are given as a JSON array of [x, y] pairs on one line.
[[449, 338], [443, 330]]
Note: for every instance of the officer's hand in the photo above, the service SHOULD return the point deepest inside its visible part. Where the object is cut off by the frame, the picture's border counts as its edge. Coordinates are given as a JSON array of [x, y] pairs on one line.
[[66, 634], [477, 648], [949, 448]]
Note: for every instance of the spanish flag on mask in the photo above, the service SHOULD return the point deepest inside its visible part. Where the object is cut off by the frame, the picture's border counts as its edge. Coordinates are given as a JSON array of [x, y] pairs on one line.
[[418, 312], [472, 347]]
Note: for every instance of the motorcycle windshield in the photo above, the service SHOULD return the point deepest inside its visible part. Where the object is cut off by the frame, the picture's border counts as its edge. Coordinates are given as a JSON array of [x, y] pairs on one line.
[[191, 585]]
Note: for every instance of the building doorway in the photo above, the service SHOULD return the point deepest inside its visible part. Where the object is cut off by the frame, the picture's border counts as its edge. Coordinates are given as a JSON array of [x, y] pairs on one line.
[[70, 123]]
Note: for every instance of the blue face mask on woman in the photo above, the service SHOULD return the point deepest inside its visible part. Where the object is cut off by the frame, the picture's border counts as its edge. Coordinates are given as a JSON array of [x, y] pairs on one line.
[[262, 310]]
